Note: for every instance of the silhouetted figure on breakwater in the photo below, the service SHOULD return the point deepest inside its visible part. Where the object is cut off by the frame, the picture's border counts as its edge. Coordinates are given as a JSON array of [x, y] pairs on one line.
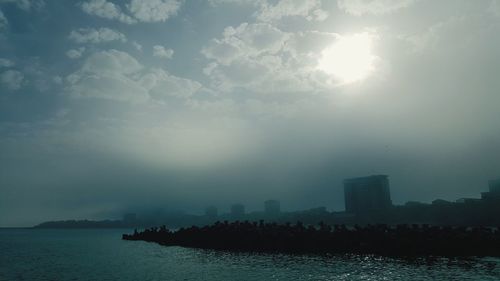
[[400, 240]]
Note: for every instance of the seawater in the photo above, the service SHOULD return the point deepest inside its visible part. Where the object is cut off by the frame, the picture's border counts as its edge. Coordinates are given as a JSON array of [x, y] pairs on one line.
[[100, 254]]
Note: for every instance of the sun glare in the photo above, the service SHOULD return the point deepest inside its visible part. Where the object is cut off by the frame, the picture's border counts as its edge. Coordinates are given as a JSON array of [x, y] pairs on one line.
[[350, 58]]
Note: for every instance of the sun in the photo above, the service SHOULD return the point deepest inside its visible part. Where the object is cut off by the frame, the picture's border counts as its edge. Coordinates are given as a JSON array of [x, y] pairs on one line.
[[350, 58]]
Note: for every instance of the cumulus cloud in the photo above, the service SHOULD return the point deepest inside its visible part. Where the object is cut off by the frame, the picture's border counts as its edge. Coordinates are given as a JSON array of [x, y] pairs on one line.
[[3, 21], [57, 80], [26, 4], [106, 9], [116, 75], [246, 40], [262, 58], [137, 46], [94, 36], [110, 62], [245, 55], [139, 10], [218, 2], [275, 10], [107, 74], [311, 10], [12, 79], [154, 10], [75, 53], [6, 63], [162, 85], [162, 52], [375, 7]]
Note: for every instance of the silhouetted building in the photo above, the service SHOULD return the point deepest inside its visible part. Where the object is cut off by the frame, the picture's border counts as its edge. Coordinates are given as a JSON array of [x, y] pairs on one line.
[[441, 202], [494, 191], [237, 211], [211, 212], [272, 207], [468, 200], [494, 185], [367, 194], [318, 210], [130, 217], [414, 204]]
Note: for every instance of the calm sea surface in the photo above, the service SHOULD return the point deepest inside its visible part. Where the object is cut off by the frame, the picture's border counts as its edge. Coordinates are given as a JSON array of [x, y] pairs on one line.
[[28, 254]]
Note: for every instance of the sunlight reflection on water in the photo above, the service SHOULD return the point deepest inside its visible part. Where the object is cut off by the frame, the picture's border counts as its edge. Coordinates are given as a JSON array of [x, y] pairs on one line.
[[102, 255]]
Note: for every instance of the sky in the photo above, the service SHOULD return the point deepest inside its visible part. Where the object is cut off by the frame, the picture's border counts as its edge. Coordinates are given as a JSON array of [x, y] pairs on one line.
[[109, 106]]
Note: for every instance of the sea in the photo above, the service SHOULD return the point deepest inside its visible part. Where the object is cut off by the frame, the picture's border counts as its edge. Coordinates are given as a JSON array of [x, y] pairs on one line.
[[101, 254]]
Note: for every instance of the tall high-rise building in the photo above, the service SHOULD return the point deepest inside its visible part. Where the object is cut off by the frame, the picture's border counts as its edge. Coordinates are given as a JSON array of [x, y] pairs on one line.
[[367, 194], [272, 207], [494, 185], [237, 211], [494, 192]]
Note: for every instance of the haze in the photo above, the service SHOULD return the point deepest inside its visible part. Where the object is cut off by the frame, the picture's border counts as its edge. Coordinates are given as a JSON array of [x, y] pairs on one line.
[[111, 106]]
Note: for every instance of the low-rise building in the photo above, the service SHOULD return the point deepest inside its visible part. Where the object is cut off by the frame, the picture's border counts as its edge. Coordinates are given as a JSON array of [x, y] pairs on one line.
[[272, 207]]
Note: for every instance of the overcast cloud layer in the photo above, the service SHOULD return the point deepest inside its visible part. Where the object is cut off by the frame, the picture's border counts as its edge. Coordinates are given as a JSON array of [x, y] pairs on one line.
[[107, 106]]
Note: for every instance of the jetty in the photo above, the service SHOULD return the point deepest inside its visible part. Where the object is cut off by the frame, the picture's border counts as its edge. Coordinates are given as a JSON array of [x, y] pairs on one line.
[[380, 239]]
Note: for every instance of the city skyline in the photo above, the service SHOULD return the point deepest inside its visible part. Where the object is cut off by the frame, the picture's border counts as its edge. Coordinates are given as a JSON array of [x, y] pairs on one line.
[[363, 196]]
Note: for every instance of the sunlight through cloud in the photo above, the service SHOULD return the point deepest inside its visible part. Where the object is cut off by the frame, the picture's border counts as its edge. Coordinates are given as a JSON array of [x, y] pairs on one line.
[[350, 58]]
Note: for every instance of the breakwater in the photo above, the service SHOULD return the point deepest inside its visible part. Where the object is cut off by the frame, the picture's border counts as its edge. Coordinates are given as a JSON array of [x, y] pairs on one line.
[[399, 240]]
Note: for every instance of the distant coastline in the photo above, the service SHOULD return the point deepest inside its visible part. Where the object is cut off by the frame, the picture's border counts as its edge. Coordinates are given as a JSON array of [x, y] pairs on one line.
[[69, 224], [444, 213]]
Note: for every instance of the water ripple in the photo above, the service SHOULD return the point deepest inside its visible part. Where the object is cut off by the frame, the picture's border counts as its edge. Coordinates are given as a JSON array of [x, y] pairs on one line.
[[102, 255]]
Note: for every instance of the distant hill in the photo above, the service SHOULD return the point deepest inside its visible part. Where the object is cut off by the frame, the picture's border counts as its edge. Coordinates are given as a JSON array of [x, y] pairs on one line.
[[85, 224]]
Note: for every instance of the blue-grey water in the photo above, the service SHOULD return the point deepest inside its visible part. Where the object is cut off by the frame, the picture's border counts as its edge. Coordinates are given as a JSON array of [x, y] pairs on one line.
[[36, 254]]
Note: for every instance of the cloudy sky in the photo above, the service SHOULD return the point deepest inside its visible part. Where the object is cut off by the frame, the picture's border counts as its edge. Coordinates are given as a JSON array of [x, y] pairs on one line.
[[110, 105]]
